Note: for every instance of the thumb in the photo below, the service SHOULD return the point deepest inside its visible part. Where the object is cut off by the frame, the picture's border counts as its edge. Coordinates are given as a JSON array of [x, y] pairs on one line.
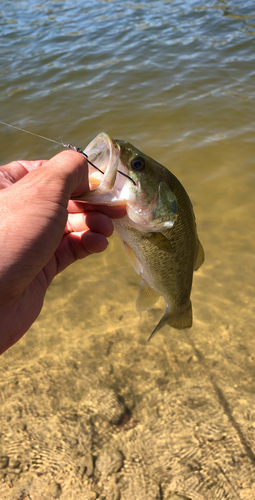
[[63, 175]]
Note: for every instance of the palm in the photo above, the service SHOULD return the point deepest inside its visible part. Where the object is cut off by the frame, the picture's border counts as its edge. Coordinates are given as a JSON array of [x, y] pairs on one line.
[[42, 233]]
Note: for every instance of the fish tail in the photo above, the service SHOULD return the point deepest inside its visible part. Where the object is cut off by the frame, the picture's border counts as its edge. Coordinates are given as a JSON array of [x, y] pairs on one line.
[[178, 320]]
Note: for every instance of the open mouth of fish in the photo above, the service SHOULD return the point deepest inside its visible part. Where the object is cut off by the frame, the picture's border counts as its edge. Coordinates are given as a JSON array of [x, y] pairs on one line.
[[107, 186]]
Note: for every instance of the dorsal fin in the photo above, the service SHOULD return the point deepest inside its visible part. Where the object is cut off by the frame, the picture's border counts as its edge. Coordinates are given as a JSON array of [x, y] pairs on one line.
[[200, 256]]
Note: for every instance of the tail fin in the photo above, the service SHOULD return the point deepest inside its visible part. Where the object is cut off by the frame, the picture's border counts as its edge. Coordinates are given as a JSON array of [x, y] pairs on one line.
[[178, 320]]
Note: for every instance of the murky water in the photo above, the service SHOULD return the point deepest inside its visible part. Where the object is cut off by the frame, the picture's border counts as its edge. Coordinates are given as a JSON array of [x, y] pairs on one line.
[[176, 79]]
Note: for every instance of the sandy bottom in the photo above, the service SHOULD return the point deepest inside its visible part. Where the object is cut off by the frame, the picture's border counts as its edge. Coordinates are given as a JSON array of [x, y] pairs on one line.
[[90, 410]]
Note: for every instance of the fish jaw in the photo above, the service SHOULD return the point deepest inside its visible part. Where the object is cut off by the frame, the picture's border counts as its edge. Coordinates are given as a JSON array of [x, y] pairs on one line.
[[104, 153]]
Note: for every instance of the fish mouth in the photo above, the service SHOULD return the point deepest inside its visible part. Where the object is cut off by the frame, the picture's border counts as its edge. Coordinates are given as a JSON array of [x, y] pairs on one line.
[[107, 185], [102, 153]]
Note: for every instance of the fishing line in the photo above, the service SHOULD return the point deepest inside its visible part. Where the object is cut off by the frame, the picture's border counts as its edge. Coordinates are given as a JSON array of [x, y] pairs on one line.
[[79, 150], [32, 133]]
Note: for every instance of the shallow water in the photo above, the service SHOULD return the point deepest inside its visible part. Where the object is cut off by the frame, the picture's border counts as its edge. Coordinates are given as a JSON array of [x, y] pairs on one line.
[[176, 80]]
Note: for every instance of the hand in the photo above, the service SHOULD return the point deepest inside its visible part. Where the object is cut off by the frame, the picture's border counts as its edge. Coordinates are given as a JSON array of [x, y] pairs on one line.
[[42, 232]]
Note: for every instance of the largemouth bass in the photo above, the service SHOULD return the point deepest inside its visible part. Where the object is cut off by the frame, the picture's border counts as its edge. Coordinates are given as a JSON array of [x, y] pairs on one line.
[[159, 231]]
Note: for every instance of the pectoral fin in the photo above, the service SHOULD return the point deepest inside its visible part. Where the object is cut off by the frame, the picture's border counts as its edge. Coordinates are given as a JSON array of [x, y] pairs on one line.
[[160, 241], [178, 320], [147, 297]]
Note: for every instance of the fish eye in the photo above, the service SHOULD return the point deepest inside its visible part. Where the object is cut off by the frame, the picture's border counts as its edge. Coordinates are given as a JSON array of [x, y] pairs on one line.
[[138, 163]]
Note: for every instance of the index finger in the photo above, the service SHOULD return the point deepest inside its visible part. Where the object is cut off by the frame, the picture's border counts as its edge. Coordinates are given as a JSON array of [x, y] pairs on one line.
[[14, 171]]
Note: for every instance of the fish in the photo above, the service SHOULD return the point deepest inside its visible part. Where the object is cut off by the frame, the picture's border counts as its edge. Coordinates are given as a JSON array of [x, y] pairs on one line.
[[159, 231]]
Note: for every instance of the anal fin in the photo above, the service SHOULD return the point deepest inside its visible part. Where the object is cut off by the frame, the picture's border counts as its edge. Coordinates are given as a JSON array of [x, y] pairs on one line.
[[147, 297]]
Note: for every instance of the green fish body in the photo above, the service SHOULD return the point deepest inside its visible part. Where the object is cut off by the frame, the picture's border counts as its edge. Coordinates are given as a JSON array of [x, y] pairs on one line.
[[159, 231]]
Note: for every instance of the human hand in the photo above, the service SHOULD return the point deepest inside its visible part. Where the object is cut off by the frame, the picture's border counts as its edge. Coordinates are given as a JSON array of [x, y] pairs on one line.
[[42, 232]]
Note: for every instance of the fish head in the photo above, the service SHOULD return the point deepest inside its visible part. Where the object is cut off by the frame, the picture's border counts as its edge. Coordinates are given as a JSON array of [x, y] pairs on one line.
[[151, 204]]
